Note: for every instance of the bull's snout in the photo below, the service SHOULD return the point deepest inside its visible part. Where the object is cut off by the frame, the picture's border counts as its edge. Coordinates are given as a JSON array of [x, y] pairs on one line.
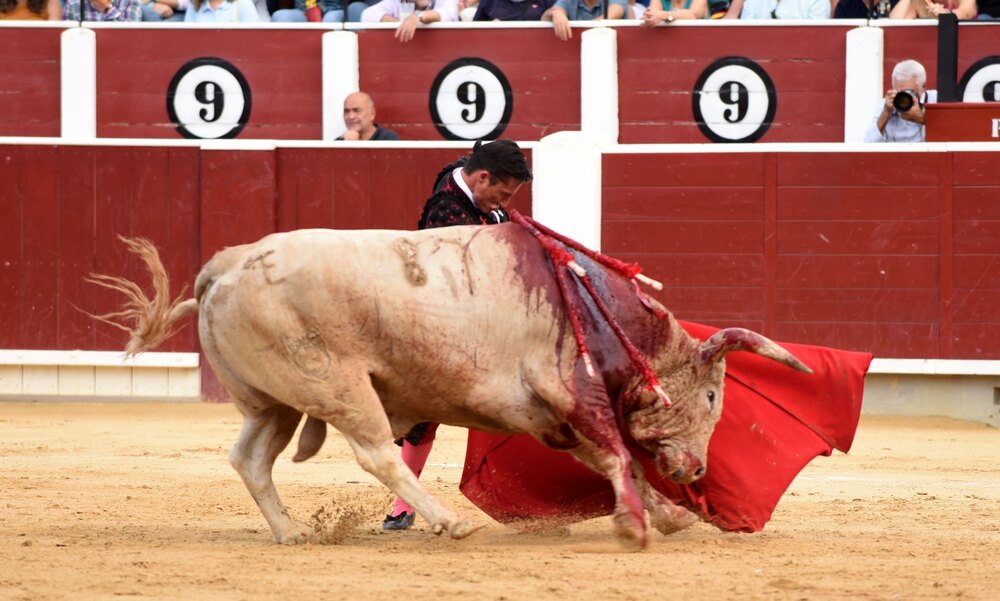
[[689, 470]]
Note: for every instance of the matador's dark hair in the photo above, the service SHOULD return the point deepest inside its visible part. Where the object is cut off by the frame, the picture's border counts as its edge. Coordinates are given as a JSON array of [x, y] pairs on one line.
[[502, 158]]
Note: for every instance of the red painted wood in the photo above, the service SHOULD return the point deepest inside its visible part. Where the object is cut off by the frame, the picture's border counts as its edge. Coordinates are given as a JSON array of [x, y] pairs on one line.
[[895, 237], [770, 242], [977, 169], [656, 80], [135, 66], [670, 170], [897, 339], [857, 169], [12, 260], [683, 237], [920, 43], [383, 188], [962, 122], [29, 82], [543, 72], [946, 230], [237, 196], [977, 272], [40, 247], [868, 305], [854, 203], [857, 271], [975, 341]]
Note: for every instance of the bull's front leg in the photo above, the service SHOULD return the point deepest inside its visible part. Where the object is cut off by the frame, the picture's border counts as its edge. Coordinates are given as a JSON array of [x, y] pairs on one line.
[[604, 451], [665, 515]]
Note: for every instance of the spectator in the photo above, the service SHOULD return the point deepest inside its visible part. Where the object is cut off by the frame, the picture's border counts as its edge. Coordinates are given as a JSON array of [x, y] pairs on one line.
[[930, 9], [427, 11], [779, 9], [221, 11], [896, 120], [678, 9], [863, 9], [164, 10], [475, 190], [512, 10], [333, 12], [359, 117], [354, 9], [31, 10], [565, 11], [103, 10], [988, 9]]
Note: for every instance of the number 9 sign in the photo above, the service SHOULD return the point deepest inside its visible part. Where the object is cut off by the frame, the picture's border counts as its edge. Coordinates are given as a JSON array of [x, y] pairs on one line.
[[208, 98], [471, 99], [981, 83], [734, 101]]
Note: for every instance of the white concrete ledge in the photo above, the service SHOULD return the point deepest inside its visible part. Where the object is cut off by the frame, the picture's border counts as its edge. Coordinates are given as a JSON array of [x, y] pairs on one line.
[[935, 367], [97, 358], [40, 375]]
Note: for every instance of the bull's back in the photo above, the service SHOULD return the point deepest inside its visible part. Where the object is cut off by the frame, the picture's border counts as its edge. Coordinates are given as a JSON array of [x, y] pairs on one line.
[[444, 303]]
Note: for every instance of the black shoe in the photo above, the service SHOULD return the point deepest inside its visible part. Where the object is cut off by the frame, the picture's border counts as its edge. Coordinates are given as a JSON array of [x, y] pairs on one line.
[[403, 521]]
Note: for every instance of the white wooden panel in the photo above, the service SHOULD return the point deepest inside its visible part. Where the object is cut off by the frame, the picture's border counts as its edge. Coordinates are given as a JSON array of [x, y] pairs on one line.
[[185, 382], [40, 379], [150, 381], [76, 380], [10, 379], [113, 381]]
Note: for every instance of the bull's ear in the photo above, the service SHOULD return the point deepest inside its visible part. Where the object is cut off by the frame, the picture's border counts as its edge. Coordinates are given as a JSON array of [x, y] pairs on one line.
[[739, 339]]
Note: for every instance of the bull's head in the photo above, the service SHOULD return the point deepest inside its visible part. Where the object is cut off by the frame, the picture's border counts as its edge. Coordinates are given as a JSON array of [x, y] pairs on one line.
[[678, 435]]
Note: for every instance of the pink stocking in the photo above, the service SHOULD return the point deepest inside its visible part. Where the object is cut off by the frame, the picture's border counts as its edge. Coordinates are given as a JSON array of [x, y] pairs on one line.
[[414, 456]]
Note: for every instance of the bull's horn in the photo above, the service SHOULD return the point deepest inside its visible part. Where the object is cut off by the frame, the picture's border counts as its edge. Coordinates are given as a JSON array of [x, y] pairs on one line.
[[739, 339]]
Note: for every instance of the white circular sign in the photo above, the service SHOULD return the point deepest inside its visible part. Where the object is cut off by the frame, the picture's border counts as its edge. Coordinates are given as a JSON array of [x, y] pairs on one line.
[[981, 83], [471, 99], [734, 101], [209, 98]]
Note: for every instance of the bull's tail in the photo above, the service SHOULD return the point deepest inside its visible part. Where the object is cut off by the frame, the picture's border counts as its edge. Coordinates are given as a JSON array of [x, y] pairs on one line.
[[149, 322]]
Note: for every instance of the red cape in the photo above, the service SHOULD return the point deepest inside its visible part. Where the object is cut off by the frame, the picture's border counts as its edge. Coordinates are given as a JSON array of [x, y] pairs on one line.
[[774, 421]]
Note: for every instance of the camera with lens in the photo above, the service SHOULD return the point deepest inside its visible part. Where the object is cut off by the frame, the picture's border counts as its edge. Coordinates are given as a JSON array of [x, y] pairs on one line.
[[904, 100]]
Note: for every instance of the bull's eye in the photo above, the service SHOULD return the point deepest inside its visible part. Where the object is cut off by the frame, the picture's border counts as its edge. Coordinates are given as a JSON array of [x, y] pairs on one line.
[[711, 399]]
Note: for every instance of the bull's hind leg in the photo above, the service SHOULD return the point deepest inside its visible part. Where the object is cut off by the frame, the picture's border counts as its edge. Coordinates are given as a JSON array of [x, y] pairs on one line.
[[264, 435], [356, 410]]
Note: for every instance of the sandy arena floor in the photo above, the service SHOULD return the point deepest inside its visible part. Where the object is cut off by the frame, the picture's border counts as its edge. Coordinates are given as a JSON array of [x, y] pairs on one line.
[[112, 501]]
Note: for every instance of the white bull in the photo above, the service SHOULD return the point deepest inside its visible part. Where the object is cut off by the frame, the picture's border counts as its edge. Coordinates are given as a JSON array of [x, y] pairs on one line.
[[376, 331]]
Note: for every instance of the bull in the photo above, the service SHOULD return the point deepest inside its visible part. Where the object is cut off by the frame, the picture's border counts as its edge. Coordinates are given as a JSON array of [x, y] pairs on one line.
[[375, 331]]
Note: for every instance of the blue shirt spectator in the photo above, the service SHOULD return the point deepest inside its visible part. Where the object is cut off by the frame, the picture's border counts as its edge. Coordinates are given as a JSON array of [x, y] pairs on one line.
[[579, 10], [223, 11]]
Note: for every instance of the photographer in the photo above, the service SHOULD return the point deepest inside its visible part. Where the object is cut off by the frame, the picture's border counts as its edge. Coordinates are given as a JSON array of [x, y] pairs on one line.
[[900, 117]]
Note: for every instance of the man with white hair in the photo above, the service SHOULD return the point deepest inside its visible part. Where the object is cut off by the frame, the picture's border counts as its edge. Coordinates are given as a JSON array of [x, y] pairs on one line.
[[900, 116]]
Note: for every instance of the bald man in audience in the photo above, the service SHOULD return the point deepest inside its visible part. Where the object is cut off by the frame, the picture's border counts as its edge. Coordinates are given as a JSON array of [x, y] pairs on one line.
[[359, 117]]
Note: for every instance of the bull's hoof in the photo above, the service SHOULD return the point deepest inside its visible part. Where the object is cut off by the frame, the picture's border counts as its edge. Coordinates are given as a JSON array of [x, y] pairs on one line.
[[298, 535], [631, 532], [463, 528], [676, 521], [457, 528]]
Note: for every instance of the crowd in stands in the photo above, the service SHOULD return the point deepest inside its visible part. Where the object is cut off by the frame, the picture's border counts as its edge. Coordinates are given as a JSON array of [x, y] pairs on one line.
[[410, 15]]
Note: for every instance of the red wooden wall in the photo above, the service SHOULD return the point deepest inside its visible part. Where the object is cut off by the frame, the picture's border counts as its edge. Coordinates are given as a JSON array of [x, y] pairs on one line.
[[544, 74], [658, 70], [892, 254], [63, 207], [283, 69], [29, 81]]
